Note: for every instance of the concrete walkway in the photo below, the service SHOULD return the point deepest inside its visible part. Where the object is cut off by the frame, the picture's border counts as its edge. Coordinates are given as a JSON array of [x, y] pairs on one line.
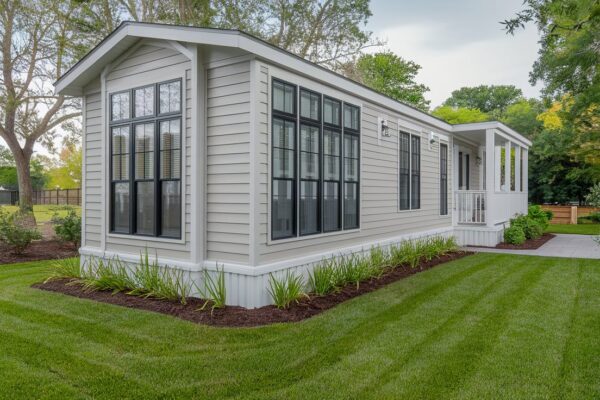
[[563, 245]]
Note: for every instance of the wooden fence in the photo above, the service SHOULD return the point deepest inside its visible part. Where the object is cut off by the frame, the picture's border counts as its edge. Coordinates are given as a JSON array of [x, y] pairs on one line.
[[569, 214], [52, 196]]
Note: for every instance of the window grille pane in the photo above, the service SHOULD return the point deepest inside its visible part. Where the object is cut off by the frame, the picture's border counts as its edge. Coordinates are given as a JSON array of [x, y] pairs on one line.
[[120, 106], [144, 151], [283, 97], [331, 206], [145, 208], [283, 134], [282, 209], [350, 205], [169, 97], [309, 105], [120, 140], [171, 208], [415, 189], [309, 207], [351, 116], [170, 149], [283, 163], [144, 101], [309, 138], [121, 207], [331, 112]]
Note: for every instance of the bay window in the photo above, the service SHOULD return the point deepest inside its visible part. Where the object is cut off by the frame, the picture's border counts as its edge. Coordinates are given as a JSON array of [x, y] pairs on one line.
[[321, 136], [145, 130]]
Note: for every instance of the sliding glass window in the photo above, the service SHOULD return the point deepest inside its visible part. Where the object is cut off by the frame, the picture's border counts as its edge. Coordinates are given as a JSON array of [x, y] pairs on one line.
[[141, 202]]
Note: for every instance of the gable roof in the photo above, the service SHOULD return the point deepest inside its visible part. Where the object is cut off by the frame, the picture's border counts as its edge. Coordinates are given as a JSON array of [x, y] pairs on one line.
[[128, 33]]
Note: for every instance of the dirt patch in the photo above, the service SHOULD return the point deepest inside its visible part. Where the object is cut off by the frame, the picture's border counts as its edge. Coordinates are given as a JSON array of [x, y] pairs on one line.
[[244, 317], [38, 250], [530, 244]]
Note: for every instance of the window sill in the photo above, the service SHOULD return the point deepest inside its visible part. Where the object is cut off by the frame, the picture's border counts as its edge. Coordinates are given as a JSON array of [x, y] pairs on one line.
[[408, 211], [146, 238], [272, 242]]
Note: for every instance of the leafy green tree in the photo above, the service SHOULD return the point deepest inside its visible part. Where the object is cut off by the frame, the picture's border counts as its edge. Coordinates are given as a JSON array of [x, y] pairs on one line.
[[523, 117], [492, 99], [391, 75], [67, 174], [459, 115], [568, 58]]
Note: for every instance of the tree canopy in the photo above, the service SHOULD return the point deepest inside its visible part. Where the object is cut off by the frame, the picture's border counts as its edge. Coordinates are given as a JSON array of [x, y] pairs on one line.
[[486, 98], [391, 75], [460, 115]]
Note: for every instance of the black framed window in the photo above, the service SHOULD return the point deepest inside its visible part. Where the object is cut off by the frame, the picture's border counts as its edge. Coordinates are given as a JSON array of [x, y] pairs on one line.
[[409, 171], [415, 173], [310, 162], [283, 201], [145, 131], [321, 136], [443, 179], [404, 171], [351, 166]]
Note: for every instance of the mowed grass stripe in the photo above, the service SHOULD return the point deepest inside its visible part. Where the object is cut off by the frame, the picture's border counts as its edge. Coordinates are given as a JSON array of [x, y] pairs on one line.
[[422, 325], [461, 330]]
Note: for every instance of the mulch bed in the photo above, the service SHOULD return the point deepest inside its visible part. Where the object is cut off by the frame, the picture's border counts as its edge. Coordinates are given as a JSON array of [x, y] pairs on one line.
[[38, 250], [530, 244], [243, 317]]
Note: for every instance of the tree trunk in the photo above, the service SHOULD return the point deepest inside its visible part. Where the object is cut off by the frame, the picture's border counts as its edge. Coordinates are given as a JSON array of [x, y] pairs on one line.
[[22, 162]]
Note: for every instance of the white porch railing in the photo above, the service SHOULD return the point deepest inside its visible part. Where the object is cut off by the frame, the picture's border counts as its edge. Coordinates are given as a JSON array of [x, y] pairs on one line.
[[471, 206]]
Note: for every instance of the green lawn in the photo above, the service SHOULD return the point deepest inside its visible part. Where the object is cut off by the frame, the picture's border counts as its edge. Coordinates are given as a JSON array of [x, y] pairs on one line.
[[579, 229], [484, 327], [44, 213]]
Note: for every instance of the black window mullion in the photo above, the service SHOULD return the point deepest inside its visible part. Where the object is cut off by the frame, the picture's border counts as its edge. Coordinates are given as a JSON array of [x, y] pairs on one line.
[[132, 185], [157, 183]]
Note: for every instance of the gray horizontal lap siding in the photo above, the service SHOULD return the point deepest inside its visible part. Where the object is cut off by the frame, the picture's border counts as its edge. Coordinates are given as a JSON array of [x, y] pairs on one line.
[[380, 218], [147, 65], [93, 171], [228, 163]]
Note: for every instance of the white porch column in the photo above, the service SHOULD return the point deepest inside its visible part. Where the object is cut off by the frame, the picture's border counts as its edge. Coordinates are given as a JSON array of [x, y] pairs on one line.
[[497, 166], [525, 170], [492, 178], [480, 154], [518, 169], [507, 148]]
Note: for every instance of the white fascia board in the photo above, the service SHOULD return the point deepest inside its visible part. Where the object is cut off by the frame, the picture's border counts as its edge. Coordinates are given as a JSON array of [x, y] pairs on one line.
[[508, 132], [245, 42]]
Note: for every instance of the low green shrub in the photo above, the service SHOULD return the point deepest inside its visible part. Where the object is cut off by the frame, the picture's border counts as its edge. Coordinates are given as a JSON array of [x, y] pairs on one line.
[[110, 275], [15, 233], [536, 213], [322, 278], [531, 227], [161, 283], [67, 268], [286, 290], [68, 228], [594, 217], [514, 235], [214, 289]]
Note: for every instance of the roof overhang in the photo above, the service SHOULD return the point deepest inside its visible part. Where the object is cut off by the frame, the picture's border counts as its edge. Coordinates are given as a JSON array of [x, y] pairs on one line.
[[499, 127], [128, 33]]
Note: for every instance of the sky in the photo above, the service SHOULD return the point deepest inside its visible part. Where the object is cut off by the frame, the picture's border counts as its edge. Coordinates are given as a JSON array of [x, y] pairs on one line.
[[457, 43]]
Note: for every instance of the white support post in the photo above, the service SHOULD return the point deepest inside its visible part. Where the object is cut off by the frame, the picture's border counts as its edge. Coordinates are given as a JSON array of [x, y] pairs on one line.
[[480, 154], [525, 170], [497, 165], [492, 178], [518, 169], [507, 148]]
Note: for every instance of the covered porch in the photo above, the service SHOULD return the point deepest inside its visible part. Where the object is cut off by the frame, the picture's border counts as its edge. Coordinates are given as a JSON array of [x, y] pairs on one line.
[[490, 179]]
